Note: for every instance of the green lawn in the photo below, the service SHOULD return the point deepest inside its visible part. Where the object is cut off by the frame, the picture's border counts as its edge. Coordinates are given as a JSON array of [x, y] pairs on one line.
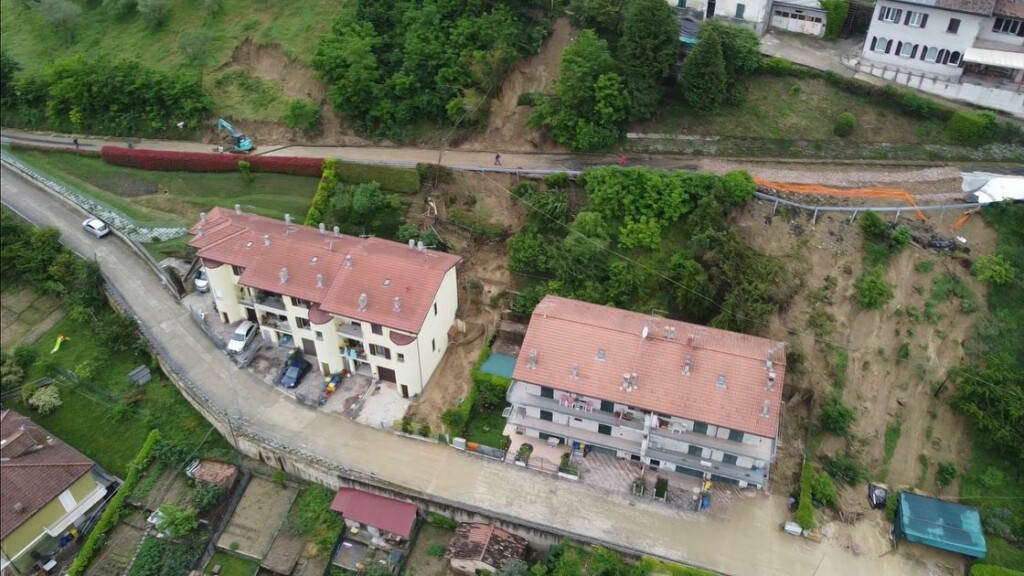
[[160, 198], [485, 427], [93, 418], [792, 109], [232, 565], [213, 36]]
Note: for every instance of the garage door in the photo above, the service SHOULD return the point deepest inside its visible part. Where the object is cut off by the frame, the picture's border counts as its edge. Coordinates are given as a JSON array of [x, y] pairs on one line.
[[794, 20]]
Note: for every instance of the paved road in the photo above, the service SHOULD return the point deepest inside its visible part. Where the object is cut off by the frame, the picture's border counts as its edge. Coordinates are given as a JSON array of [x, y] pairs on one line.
[[745, 542]]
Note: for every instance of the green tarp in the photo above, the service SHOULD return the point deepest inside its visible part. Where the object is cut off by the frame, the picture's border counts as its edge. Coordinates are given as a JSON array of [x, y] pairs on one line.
[[940, 524]]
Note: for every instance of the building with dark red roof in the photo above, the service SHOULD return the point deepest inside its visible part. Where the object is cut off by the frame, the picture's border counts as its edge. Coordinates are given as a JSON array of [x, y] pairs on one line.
[[669, 394], [367, 305]]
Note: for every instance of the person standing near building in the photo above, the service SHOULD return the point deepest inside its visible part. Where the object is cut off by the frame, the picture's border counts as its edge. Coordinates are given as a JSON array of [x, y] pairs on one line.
[[497, 159]]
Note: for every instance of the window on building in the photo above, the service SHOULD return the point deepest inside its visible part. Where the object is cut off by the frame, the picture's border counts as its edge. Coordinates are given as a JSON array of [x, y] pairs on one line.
[[906, 50], [377, 329], [319, 335], [604, 429], [546, 415], [954, 26], [740, 9], [435, 308], [888, 14], [1008, 26], [546, 392], [382, 351], [300, 303], [735, 435], [237, 270], [721, 381], [700, 428], [879, 44], [600, 354], [916, 19], [695, 451], [400, 357], [433, 344], [729, 459], [954, 59], [302, 323], [607, 406], [931, 54]]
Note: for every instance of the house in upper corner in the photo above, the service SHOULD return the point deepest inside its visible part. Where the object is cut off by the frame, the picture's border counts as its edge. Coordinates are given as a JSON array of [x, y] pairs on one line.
[[969, 50], [367, 305], [479, 548], [47, 492], [799, 16], [672, 395]]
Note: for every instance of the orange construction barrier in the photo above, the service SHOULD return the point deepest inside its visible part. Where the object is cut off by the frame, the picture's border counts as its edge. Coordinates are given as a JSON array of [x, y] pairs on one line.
[[818, 190]]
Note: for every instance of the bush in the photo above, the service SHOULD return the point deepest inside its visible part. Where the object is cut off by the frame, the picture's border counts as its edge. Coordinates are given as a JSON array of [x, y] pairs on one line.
[[991, 268], [834, 416], [176, 521], [437, 550], [442, 521], [945, 474], [24, 357], [969, 128], [891, 505], [528, 98], [805, 509], [154, 12], [111, 515], [845, 123], [303, 115], [873, 291], [206, 496], [246, 170], [11, 375], [28, 390], [45, 400], [61, 14], [823, 489], [324, 196], [844, 469]]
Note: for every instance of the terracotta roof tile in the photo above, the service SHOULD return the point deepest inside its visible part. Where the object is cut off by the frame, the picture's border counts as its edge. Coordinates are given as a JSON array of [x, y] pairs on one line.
[[1013, 8], [488, 544], [383, 513], [983, 7], [35, 471], [381, 269], [567, 333]]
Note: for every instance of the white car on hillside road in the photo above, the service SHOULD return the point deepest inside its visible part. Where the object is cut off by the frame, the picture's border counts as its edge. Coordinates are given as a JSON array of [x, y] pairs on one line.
[[96, 227]]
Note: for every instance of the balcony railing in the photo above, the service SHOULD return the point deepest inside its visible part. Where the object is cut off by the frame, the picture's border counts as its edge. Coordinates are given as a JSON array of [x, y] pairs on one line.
[[518, 395], [351, 331], [755, 476], [274, 301], [761, 451]]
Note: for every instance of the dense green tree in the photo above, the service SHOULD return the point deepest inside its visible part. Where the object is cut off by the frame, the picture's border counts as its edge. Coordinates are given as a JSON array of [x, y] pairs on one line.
[[741, 50], [363, 209], [345, 59], [704, 80], [691, 289], [834, 416], [63, 15], [530, 255], [603, 16], [8, 68], [647, 50]]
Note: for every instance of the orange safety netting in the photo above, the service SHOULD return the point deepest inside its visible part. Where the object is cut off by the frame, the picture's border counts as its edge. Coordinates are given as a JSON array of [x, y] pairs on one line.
[[819, 190]]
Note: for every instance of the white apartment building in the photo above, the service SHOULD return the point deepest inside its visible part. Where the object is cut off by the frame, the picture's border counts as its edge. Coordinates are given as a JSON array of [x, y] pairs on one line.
[[366, 305], [969, 50], [675, 396]]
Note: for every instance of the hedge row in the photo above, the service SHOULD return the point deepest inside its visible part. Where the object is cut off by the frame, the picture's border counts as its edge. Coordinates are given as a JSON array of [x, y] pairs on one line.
[[486, 388], [906, 102], [112, 514], [804, 508], [404, 180], [987, 570], [324, 194]]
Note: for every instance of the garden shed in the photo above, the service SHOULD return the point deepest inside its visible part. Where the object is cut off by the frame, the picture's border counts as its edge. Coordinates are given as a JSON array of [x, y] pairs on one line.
[[940, 524], [484, 547]]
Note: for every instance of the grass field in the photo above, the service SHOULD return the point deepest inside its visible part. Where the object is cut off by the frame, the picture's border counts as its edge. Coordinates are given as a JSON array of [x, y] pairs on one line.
[[232, 565], [486, 428], [210, 36], [792, 109], [95, 417]]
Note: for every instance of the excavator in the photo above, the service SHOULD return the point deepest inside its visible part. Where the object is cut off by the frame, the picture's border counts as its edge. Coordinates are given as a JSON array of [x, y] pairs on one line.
[[241, 144]]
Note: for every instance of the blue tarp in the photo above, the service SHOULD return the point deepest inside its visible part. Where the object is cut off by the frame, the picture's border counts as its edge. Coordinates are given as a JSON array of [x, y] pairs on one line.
[[499, 365], [941, 524]]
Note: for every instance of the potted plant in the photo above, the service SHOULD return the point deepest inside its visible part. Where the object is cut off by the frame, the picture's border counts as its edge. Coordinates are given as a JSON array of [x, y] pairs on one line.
[[523, 454]]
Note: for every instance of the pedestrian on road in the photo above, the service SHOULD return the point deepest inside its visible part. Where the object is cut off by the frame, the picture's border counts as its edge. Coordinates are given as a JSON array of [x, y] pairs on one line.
[[76, 143], [497, 159], [622, 160]]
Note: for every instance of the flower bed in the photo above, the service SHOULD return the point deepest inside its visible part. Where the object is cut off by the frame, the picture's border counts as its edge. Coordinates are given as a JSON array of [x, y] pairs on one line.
[[170, 161]]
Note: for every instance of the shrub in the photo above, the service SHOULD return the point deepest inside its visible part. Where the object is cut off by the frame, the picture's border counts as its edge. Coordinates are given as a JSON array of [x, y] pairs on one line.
[[246, 169], [442, 521], [28, 390], [660, 487], [844, 469], [969, 128], [177, 521], [891, 505], [834, 416], [154, 12], [991, 268], [111, 515], [873, 291], [303, 115], [823, 489], [945, 474], [45, 400], [559, 181], [206, 496], [324, 196], [805, 509], [11, 375], [845, 123], [528, 98], [61, 14], [437, 550], [24, 357]]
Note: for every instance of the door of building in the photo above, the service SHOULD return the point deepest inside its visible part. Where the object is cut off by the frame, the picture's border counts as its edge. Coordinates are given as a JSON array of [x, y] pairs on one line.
[[250, 314], [308, 347], [386, 374], [405, 391], [711, 9]]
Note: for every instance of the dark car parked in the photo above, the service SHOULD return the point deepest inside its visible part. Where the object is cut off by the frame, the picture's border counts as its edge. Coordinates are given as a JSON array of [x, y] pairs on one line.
[[295, 369]]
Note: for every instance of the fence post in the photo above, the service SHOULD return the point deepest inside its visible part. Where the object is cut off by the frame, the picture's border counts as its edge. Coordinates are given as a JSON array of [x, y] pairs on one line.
[[854, 217]]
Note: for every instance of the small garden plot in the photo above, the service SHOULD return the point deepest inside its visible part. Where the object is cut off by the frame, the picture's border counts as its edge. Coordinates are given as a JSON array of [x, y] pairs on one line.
[[115, 555], [427, 555], [167, 556], [23, 310], [232, 565], [259, 516]]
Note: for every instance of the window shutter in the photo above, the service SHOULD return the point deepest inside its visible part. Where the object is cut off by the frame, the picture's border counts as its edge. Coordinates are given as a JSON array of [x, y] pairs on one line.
[[881, 12], [945, 57], [888, 46], [1020, 30], [923, 52], [898, 14], [874, 41], [899, 48], [924, 21], [995, 25], [913, 53], [906, 20]]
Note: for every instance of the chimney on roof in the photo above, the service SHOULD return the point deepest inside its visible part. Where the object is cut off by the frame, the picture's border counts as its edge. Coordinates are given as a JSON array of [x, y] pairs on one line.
[[238, 209], [19, 508], [284, 275], [266, 239], [202, 217], [771, 380], [420, 247], [687, 366], [337, 231], [575, 371], [319, 280], [670, 332], [348, 261], [287, 224], [531, 360], [364, 301], [49, 440], [323, 228], [412, 243], [764, 411], [398, 304]]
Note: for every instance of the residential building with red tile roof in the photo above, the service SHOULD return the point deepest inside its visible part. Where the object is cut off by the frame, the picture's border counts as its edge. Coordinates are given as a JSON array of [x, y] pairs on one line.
[[673, 395], [484, 548], [377, 514], [47, 490], [367, 305]]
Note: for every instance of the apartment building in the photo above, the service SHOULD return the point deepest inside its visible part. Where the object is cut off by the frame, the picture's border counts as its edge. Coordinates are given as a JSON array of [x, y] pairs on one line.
[[672, 395], [367, 305]]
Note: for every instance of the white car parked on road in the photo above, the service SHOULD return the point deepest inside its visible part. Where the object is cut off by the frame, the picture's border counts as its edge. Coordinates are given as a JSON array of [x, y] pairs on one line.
[[96, 227], [243, 335]]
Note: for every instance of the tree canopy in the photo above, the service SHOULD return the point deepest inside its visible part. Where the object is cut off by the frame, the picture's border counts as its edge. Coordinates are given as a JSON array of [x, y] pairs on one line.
[[703, 80]]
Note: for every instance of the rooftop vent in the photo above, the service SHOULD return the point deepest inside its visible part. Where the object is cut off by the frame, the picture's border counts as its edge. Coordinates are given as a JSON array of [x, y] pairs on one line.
[[531, 360], [687, 366], [314, 259], [337, 231], [398, 304], [721, 381], [238, 209], [202, 217], [248, 244], [767, 407], [412, 243], [19, 507], [600, 354], [669, 333], [364, 300], [348, 261], [575, 371], [645, 332], [387, 282], [771, 380], [629, 381], [319, 280], [420, 247], [284, 275], [323, 228], [266, 239], [287, 224]]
